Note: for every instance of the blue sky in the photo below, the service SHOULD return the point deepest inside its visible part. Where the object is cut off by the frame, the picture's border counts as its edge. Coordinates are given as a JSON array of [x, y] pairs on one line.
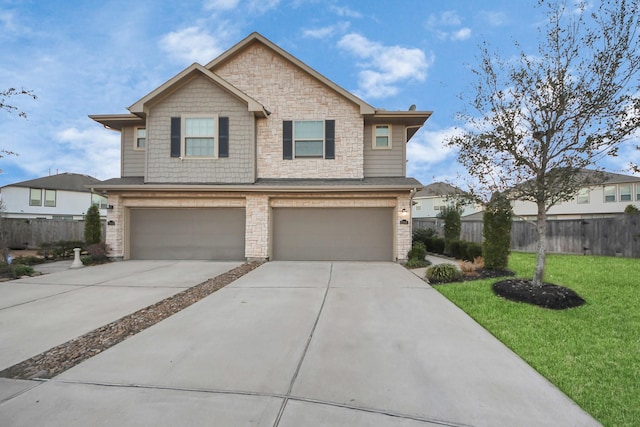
[[98, 57]]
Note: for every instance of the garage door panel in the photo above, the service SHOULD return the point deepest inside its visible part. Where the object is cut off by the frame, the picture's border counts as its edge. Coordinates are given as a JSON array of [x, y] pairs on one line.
[[326, 234], [214, 233]]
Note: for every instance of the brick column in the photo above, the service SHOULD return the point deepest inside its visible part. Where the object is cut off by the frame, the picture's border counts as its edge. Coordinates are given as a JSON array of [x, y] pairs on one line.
[[403, 231], [257, 227]]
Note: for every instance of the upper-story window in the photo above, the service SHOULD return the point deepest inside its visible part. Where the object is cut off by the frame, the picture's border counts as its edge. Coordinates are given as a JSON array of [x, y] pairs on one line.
[[583, 196], [308, 138], [50, 198], [381, 137], [609, 193], [199, 138], [140, 139], [637, 192], [625, 192], [35, 197]]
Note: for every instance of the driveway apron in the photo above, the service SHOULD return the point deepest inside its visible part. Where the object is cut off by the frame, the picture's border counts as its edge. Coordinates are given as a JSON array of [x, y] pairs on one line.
[[305, 344]]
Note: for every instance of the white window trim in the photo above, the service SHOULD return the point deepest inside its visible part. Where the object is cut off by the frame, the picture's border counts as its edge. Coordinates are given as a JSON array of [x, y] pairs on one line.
[[55, 199], [183, 136], [373, 137], [615, 194], [588, 194], [637, 193], [41, 198], [135, 139], [630, 194], [293, 139]]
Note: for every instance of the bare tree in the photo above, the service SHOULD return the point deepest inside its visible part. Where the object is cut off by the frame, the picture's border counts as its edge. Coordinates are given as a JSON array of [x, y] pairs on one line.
[[4, 105], [538, 120]]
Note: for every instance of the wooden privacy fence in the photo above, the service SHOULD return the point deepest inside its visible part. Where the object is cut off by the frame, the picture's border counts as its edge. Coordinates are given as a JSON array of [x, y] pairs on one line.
[[19, 233], [613, 236]]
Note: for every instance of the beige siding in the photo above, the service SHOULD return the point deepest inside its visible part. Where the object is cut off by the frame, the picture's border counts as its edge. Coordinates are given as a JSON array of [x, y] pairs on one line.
[[199, 96], [289, 93], [385, 162], [132, 160]]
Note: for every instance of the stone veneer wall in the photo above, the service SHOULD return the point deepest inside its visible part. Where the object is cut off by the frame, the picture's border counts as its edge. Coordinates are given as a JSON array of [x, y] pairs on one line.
[[289, 93], [258, 218]]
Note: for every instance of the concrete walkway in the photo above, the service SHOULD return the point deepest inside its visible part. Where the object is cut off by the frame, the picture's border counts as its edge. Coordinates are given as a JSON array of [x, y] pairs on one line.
[[301, 344]]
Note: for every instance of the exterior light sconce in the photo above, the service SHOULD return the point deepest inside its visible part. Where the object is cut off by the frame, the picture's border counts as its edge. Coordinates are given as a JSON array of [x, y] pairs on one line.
[[404, 214], [110, 207]]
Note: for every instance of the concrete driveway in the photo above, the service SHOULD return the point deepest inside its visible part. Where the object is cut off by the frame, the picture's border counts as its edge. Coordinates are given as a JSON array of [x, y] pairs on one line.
[[300, 344]]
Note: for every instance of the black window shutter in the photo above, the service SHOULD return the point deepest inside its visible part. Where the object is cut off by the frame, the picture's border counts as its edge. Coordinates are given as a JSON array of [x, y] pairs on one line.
[[329, 139], [175, 136], [287, 140], [223, 136]]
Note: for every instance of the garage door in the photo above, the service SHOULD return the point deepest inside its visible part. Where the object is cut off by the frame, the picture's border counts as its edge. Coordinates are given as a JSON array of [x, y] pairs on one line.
[[326, 234], [214, 233]]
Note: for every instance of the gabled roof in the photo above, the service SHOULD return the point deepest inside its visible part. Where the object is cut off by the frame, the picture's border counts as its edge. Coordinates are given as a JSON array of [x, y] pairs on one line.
[[252, 105], [258, 38], [64, 181], [438, 189]]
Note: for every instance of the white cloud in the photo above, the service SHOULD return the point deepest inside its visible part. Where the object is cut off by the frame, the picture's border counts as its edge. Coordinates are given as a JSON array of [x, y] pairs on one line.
[[493, 18], [324, 32], [98, 148], [221, 4], [193, 44], [427, 151], [461, 34], [345, 11], [384, 66]]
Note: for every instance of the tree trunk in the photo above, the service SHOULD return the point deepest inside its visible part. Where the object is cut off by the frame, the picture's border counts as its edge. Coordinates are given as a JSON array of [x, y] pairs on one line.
[[541, 260]]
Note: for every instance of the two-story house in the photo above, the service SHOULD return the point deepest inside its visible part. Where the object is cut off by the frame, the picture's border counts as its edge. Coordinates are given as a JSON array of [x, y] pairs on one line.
[[435, 197], [607, 198], [63, 196], [256, 155]]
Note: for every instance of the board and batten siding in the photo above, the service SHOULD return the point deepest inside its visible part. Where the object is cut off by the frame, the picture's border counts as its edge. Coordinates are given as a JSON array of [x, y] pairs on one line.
[[132, 160], [385, 162]]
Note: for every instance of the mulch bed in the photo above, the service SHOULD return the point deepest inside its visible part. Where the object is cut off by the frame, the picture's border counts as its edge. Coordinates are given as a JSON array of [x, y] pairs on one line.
[[548, 295], [58, 359]]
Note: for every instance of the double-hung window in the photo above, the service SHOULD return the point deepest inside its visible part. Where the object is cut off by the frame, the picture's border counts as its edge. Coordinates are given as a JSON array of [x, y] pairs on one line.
[[583, 196], [638, 192], [35, 197], [99, 201], [381, 137], [200, 134], [140, 139], [308, 138], [50, 198], [609, 193], [625, 192]]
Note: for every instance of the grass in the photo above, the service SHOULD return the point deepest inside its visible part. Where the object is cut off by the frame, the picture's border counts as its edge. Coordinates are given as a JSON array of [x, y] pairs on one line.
[[592, 353]]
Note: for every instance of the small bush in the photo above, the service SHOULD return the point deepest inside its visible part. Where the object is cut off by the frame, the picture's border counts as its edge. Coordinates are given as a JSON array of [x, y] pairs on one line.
[[442, 273], [20, 270], [436, 245], [467, 267], [496, 232], [28, 260], [631, 209], [418, 251], [60, 249], [423, 235], [417, 263], [473, 250], [97, 252], [455, 249], [92, 226]]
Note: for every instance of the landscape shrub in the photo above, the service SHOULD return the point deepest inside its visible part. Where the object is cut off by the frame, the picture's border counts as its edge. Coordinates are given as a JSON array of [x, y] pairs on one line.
[[417, 263], [436, 245], [455, 249], [20, 270], [60, 249], [452, 225], [496, 232], [96, 253], [417, 251], [424, 235], [631, 209], [442, 273], [473, 250], [92, 226]]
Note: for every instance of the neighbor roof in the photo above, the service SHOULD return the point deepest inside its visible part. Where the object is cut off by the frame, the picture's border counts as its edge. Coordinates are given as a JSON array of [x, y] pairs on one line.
[[438, 189], [64, 181]]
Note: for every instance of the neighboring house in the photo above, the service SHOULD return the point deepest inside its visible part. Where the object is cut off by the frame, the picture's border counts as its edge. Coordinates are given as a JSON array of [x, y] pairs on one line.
[[64, 196], [256, 155], [596, 201], [435, 197]]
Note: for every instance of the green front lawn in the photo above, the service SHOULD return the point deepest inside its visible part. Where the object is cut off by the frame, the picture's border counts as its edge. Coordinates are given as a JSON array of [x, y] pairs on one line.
[[592, 352]]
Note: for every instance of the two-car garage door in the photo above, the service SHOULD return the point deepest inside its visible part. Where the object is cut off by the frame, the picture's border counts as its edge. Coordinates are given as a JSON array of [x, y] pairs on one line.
[[202, 233]]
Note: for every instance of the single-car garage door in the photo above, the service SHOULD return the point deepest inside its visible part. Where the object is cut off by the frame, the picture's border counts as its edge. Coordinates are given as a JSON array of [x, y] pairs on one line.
[[211, 233], [328, 234]]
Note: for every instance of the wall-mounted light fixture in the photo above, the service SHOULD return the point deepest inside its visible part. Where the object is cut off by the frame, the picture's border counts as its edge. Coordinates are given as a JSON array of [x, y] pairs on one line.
[[110, 207], [404, 214]]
